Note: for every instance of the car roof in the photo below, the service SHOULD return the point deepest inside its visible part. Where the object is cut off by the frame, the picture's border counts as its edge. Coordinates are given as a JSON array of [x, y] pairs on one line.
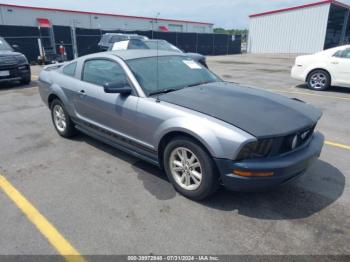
[[142, 53], [155, 40], [333, 50], [112, 34], [134, 54], [343, 46], [131, 36]]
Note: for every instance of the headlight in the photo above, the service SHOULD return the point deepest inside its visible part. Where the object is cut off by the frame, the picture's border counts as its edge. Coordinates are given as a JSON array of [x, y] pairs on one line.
[[257, 149], [21, 59]]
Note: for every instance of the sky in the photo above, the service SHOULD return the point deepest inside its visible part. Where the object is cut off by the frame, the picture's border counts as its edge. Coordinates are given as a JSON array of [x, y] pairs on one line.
[[229, 14]]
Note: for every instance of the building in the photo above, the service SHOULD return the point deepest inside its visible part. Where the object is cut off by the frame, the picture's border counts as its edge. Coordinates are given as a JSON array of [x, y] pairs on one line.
[[31, 16], [302, 29], [46, 34]]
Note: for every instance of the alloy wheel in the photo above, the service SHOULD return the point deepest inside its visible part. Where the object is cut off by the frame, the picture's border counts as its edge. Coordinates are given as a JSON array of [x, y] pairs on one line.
[[185, 168], [59, 118], [318, 80]]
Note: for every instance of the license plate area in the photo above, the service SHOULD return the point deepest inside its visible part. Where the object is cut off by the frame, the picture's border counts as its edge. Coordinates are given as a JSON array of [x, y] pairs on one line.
[[5, 73]]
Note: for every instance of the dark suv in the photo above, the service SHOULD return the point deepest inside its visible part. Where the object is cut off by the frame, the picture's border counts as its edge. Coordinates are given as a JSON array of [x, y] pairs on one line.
[[109, 39], [14, 66], [118, 41]]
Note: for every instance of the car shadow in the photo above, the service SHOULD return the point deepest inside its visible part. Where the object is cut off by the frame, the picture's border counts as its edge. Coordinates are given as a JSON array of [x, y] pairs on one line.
[[5, 86], [153, 179], [322, 185], [333, 89]]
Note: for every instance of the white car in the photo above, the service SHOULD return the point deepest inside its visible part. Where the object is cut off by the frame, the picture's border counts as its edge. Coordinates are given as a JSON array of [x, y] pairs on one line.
[[324, 69]]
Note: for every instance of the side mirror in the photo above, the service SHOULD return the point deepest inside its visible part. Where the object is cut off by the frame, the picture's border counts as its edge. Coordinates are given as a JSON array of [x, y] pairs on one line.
[[118, 87]]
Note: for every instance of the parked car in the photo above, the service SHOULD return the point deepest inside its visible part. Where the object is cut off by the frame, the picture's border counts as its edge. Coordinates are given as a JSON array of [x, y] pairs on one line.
[[14, 66], [155, 44], [108, 39], [169, 110], [324, 69]]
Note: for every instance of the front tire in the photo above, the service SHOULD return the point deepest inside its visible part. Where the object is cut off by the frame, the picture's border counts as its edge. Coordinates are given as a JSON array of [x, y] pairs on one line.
[[61, 120], [190, 169], [319, 80]]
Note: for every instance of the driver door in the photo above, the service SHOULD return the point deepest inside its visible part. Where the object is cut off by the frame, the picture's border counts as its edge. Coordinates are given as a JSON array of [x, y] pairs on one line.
[[106, 111]]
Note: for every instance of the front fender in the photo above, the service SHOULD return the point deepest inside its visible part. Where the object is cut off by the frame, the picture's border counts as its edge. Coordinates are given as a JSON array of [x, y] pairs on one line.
[[220, 139], [314, 66]]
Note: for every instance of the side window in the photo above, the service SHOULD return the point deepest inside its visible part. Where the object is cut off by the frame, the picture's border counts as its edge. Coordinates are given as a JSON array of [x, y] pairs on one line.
[[343, 53], [69, 69], [346, 53], [101, 71], [117, 38], [122, 45], [136, 44]]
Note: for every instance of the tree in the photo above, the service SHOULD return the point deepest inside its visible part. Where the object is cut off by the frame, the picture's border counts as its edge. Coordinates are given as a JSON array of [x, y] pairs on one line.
[[242, 32], [220, 30]]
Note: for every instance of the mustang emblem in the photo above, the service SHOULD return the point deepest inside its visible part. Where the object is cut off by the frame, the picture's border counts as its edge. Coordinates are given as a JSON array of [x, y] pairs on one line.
[[304, 135]]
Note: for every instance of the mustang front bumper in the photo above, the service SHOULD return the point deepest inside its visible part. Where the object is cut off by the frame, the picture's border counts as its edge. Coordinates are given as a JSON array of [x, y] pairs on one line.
[[284, 168]]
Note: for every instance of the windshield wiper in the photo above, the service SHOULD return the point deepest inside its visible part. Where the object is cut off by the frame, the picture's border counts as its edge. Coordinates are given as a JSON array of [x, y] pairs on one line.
[[168, 90], [200, 83], [164, 91]]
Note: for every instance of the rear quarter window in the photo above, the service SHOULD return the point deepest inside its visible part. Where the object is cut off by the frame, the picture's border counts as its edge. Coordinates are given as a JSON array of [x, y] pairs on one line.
[[69, 69], [117, 38]]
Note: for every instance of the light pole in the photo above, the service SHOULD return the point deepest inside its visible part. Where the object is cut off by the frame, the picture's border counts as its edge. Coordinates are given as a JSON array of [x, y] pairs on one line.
[[156, 18], [74, 38]]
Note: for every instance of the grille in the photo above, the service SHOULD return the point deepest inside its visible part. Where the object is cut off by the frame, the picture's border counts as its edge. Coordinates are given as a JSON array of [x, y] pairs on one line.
[[8, 60], [271, 147], [8, 67], [296, 140], [13, 72]]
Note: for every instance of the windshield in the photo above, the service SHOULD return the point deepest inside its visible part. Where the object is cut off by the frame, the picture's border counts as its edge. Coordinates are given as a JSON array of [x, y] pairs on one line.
[[332, 51], [174, 73], [4, 45], [162, 45]]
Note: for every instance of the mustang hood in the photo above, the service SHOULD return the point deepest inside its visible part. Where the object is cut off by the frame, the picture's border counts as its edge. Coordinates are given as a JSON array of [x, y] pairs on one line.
[[260, 113]]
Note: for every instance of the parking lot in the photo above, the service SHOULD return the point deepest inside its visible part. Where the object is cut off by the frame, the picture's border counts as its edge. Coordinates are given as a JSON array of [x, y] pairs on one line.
[[103, 201]]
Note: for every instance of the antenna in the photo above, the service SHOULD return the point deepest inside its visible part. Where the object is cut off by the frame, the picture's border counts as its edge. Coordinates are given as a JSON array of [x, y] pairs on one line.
[[157, 57]]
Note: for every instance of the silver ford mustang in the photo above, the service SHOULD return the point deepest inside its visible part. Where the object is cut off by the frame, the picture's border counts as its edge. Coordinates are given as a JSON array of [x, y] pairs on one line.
[[169, 110]]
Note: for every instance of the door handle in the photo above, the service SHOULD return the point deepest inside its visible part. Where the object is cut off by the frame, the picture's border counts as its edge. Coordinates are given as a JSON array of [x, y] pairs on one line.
[[335, 63], [82, 93]]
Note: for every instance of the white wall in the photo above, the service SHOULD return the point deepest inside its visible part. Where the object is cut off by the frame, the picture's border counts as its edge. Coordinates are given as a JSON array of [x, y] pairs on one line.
[[296, 31], [27, 17]]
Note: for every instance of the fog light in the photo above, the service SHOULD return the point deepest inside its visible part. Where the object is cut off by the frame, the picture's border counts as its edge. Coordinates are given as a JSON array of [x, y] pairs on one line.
[[22, 67], [251, 174]]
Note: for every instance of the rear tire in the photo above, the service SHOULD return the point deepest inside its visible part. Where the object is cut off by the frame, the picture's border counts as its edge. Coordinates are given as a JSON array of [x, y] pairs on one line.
[[319, 80], [190, 169], [61, 120]]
